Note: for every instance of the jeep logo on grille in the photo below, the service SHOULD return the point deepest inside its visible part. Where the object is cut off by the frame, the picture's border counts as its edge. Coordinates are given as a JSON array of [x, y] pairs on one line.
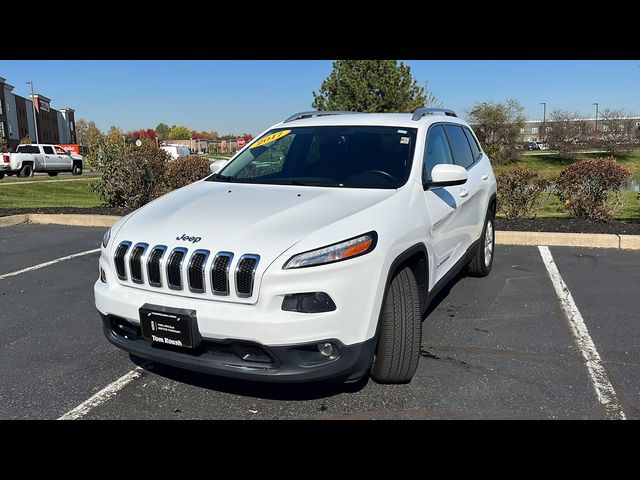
[[187, 238]]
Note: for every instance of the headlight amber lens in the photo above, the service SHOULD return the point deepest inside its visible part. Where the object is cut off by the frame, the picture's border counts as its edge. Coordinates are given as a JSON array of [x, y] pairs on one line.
[[351, 248]]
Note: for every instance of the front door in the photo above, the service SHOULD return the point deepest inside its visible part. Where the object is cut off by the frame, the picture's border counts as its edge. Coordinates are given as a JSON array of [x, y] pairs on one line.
[[444, 235]]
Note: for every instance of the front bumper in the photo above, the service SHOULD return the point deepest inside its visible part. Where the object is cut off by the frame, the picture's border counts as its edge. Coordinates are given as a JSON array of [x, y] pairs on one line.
[[284, 363]]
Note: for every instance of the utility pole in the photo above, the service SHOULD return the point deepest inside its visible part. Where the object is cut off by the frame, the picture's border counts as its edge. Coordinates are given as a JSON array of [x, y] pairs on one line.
[[544, 120], [595, 128], [33, 104]]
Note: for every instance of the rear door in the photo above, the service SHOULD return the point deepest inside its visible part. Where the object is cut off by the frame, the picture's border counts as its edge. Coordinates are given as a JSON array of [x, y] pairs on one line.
[[50, 158]]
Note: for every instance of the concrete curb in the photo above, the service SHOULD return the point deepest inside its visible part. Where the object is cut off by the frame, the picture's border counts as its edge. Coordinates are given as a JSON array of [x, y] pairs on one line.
[[554, 239], [75, 220]]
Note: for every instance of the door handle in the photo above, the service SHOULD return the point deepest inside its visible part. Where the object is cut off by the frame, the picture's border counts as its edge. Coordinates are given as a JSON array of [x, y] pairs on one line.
[[46, 156], [485, 176], [463, 192]]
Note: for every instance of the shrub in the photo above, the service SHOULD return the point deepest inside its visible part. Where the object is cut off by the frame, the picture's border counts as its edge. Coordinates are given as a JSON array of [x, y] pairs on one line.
[[185, 170], [519, 192], [131, 176], [589, 189]]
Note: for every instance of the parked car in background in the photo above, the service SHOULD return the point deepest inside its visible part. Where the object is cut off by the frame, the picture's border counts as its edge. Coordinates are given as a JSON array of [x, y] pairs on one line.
[[35, 158], [532, 146], [542, 146], [176, 151]]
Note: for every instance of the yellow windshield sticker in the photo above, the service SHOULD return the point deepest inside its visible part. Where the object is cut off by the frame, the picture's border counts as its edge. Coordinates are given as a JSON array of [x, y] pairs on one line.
[[270, 138]]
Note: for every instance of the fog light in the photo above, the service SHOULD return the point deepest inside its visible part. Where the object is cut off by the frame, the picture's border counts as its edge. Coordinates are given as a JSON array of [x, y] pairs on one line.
[[325, 349], [314, 302]]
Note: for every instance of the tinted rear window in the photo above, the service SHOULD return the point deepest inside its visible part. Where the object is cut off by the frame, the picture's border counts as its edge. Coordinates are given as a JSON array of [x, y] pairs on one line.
[[472, 143], [459, 145], [27, 149], [47, 149]]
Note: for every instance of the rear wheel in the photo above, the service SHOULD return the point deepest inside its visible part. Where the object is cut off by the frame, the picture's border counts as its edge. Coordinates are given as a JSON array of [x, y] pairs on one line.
[[53, 174], [398, 348], [26, 171], [482, 262]]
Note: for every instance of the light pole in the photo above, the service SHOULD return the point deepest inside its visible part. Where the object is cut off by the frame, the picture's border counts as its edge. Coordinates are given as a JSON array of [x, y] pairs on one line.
[[595, 128], [544, 120], [33, 104]]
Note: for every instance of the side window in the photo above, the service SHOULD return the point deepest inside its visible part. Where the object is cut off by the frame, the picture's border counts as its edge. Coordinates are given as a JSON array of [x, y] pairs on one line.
[[48, 150], [436, 152], [459, 145], [475, 149]]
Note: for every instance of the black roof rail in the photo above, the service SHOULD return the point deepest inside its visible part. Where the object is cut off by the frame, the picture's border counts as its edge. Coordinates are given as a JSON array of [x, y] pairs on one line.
[[301, 115], [421, 112]]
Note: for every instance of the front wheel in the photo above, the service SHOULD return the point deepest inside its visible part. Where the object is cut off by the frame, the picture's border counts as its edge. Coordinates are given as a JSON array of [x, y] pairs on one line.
[[77, 169], [398, 350], [1, 176], [482, 262]]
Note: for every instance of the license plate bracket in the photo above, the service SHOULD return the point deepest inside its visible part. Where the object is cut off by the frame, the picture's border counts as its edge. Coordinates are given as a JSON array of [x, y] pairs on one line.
[[177, 327]]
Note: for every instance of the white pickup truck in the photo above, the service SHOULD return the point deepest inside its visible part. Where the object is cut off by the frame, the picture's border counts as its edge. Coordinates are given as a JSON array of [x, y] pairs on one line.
[[33, 158]]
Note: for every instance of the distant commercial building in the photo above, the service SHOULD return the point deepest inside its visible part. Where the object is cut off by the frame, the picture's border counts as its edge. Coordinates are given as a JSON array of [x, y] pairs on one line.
[[533, 130], [197, 146], [16, 119]]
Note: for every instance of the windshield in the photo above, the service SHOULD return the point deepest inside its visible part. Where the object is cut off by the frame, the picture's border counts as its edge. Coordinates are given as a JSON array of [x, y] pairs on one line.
[[333, 156]]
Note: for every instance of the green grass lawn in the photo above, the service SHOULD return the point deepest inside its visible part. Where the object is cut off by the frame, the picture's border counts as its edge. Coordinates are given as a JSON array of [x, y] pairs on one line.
[[46, 194], [47, 178], [549, 166], [552, 207]]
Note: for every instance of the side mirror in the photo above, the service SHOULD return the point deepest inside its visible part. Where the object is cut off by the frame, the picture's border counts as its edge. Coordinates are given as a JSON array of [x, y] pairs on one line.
[[218, 165], [445, 175]]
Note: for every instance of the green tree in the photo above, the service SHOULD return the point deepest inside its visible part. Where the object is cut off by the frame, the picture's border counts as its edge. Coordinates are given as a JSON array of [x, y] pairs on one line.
[[371, 86], [87, 133], [162, 130], [498, 127], [179, 133]]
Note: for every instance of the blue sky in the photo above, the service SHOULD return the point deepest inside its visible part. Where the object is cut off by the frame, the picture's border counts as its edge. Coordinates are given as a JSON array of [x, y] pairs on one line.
[[249, 96]]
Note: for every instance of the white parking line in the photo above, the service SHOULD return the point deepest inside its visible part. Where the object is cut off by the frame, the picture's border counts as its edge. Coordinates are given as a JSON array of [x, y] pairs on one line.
[[102, 396], [46, 264], [604, 389]]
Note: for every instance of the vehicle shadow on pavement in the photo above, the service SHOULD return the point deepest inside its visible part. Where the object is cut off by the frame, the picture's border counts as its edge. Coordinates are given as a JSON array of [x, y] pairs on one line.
[[443, 294], [248, 388]]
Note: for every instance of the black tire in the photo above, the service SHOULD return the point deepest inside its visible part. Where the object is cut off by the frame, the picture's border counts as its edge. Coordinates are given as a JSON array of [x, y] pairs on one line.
[[1, 176], [77, 169], [26, 171], [479, 266], [53, 174], [398, 347]]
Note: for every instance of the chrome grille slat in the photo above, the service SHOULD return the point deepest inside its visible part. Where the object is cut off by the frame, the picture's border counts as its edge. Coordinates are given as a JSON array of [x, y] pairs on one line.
[[196, 271], [136, 260], [174, 268], [154, 272], [245, 274], [220, 273], [118, 259]]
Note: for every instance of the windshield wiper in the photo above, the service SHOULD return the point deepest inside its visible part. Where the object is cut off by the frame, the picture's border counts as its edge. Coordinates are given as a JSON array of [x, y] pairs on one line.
[[223, 178], [313, 184]]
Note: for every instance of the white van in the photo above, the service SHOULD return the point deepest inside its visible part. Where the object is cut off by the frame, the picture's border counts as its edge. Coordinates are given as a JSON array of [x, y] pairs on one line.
[[176, 151]]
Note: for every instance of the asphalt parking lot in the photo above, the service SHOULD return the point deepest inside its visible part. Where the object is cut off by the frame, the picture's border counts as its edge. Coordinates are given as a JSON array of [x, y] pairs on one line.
[[499, 347]]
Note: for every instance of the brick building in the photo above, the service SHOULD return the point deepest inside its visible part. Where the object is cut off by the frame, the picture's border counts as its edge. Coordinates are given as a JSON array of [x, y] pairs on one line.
[[16, 119]]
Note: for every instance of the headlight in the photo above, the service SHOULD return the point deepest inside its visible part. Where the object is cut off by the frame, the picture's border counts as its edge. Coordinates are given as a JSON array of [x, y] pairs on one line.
[[354, 247], [105, 239]]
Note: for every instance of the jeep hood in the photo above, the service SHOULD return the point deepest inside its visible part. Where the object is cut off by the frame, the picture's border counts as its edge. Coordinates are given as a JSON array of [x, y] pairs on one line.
[[244, 218]]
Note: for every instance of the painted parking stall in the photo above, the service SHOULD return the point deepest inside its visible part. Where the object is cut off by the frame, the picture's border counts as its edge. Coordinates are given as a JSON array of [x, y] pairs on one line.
[[499, 347]]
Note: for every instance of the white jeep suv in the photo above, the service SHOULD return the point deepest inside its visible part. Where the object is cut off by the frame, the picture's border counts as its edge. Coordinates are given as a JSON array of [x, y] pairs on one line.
[[312, 255]]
